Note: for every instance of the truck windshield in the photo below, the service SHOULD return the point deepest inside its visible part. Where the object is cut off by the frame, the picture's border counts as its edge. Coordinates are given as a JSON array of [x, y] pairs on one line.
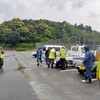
[[82, 50]]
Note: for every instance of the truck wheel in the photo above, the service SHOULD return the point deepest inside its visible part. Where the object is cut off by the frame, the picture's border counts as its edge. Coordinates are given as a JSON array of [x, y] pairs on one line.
[[58, 64], [66, 65], [80, 71], [94, 72]]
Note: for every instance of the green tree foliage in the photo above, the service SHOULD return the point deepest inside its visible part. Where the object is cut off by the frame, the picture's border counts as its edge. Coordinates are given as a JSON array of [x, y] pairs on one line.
[[17, 31], [86, 28]]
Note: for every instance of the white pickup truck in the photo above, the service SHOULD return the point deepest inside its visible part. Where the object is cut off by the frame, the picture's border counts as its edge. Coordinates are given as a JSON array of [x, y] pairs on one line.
[[76, 51], [78, 63], [78, 54], [68, 62]]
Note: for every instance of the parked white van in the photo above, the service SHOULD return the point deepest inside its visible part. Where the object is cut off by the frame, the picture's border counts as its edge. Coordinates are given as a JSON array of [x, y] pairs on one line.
[[56, 47], [45, 47]]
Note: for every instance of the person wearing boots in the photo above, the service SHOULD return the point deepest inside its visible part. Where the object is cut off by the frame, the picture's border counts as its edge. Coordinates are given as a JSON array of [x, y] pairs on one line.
[[47, 56], [88, 63], [39, 56], [62, 55], [52, 55]]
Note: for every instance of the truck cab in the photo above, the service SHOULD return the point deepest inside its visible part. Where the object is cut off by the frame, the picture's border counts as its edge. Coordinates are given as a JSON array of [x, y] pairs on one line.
[[77, 51], [78, 62], [98, 52]]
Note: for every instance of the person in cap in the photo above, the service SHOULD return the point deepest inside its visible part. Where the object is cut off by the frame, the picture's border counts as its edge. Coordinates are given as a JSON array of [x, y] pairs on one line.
[[88, 63]]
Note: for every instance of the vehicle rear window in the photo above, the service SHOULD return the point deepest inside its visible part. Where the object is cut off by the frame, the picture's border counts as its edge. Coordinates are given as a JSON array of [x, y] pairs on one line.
[[44, 48], [75, 49], [57, 48]]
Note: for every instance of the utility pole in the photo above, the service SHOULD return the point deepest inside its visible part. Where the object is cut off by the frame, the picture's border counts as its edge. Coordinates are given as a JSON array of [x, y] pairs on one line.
[[18, 38], [94, 40], [84, 39], [79, 40]]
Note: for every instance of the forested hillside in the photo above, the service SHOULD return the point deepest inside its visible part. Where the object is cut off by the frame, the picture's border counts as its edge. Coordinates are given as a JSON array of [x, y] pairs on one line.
[[17, 31]]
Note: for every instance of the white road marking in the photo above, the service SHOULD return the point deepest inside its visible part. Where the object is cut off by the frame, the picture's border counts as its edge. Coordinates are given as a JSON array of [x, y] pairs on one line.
[[87, 81], [68, 70]]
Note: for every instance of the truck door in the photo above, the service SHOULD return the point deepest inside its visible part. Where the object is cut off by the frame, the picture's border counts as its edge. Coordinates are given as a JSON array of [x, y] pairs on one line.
[[98, 53], [74, 51]]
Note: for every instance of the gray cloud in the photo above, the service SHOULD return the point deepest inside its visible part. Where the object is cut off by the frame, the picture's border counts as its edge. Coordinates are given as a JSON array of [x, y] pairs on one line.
[[18, 7], [78, 4], [14, 8], [72, 11], [59, 4], [93, 15]]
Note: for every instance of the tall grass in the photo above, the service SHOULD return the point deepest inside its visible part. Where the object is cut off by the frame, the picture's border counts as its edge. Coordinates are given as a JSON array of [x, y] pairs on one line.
[[19, 47], [26, 46]]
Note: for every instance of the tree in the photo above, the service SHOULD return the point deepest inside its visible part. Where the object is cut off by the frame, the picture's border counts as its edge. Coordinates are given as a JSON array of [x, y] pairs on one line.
[[81, 27], [75, 24], [88, 28], [43, 29]]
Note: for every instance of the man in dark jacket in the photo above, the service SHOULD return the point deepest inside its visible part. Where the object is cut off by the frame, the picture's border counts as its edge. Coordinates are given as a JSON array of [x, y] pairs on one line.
[[88, 63], [47, 56]]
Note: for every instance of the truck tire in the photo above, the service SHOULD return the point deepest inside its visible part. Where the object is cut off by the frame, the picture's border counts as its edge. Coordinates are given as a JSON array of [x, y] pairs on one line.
[[80, 71], [94, 72], [66, 64], [1, 62], [58, 64]]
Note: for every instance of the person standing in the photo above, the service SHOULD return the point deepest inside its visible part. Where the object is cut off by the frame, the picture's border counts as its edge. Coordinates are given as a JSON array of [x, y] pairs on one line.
[[39, 56], [52, 56], [47, 55], [1, 57], [62, 55], [88, 63]]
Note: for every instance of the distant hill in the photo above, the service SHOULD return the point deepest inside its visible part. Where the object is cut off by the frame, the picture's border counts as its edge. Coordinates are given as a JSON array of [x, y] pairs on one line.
[[32, 31]]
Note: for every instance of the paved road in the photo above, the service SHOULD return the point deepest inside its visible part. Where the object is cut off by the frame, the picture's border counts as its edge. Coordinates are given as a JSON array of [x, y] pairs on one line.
[[13, 84], [52, 84]]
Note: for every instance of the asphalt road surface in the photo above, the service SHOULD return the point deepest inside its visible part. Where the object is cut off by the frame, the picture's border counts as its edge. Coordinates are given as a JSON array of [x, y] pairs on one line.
[[13, 84], [42, 83]]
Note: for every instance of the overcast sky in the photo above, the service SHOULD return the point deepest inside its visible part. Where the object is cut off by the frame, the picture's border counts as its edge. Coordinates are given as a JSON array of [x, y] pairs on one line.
[[72, 11]]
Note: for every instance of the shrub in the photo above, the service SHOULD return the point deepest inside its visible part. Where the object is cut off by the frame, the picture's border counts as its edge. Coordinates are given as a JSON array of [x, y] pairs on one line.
[[21, 49]]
